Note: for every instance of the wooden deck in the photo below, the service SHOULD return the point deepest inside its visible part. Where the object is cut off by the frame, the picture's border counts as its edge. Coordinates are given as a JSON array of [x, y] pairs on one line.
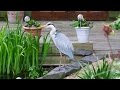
[[96, 37]]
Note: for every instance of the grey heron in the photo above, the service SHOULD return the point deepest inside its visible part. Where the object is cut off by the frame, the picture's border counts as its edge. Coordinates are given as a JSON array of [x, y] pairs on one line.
[[61, 41]]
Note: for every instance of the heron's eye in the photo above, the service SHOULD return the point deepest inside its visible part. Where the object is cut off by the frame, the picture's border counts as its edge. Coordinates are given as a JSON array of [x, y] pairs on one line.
[[51, 24]]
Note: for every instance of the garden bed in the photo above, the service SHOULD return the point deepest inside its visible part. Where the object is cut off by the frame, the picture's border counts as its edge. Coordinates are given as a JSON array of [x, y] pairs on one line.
[[67, 70], [115, 70], [21, 54], [18, 49]]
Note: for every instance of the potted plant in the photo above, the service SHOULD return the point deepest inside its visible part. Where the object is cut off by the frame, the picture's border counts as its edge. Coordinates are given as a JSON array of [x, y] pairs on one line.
[[110, 28], [15, 16], [82, 28], [32, 26], [115, 24]]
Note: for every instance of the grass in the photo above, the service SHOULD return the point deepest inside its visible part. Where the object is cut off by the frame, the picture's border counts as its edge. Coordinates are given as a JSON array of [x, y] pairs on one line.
[[97, 70], [19, 51]]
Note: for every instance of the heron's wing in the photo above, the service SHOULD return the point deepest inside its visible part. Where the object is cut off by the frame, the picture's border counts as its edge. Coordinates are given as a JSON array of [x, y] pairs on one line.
[[63, 40], [63, 43]]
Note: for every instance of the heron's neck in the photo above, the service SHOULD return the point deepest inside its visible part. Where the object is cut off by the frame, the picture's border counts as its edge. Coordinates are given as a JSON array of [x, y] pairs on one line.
[[53, 31]]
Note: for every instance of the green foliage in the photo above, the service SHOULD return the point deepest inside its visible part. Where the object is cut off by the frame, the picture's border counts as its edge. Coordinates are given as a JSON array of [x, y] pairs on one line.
[[45, 47], [116, 69], [33, 23], [101, 71], [33, 72], [116, 24], [82, 23], [18, 52]]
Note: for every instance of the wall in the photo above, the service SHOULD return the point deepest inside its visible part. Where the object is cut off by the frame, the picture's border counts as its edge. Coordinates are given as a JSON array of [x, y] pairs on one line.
[[3, 14], [112, 14], [27, 13]]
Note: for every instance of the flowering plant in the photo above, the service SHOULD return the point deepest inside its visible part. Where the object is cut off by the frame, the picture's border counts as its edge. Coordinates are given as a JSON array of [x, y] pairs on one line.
[[116, 24], [31, 23], [81, 22], [110, 28]]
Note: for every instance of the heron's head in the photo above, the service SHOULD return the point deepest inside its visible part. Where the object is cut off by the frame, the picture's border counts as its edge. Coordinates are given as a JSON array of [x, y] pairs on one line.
[[49, 25]]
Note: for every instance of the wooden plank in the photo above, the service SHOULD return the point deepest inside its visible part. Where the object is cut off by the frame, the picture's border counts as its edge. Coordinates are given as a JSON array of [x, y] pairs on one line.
[[53, 50], [53, 57], [55, 60]]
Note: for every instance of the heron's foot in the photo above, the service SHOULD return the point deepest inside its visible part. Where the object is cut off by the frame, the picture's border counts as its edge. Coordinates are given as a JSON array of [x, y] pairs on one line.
[[62, 67], [59, 69], [73, 61]]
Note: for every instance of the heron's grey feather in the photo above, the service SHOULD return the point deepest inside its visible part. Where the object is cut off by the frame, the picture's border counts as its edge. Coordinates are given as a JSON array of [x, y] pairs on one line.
[[63, 44]]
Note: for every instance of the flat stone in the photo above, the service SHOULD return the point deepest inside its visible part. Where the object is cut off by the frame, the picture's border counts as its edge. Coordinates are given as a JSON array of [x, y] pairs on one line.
[[83, 52], [63, 71], [91, 58]]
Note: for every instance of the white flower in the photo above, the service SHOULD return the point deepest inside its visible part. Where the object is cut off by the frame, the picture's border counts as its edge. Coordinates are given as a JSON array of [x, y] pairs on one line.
[[18, 78], [117, 21], [27, 18], [80, 17], [117, 78]]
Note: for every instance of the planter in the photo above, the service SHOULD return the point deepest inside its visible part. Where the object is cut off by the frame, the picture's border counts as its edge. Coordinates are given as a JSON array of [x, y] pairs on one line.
[[83, 34], [12, 15], [33, 30]]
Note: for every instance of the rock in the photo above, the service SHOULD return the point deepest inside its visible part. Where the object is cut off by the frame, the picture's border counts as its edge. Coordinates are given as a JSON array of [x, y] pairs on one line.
[[83, 52], [91, 58], [63, 71]]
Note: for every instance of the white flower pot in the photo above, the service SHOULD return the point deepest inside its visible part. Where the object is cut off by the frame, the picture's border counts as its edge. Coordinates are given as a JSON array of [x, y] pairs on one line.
[[83, 34]]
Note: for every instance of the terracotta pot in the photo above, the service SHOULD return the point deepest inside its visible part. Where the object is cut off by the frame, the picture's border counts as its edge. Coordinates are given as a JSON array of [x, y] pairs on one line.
[[33, 31], [12, 15]]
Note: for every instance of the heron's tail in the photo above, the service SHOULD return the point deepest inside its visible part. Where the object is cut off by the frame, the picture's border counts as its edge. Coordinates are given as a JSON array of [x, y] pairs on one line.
[[76, 62], [72, 59]]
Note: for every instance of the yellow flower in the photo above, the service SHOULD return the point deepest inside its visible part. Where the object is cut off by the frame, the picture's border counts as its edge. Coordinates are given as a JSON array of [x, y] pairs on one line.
[[112, 33]]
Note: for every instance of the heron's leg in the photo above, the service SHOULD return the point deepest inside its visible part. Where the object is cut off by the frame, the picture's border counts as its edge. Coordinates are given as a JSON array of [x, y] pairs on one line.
[[60, 59], [64, 60]]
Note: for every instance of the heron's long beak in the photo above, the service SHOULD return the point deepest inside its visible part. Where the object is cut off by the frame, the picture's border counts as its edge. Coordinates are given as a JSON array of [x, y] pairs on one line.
[[43, 26]]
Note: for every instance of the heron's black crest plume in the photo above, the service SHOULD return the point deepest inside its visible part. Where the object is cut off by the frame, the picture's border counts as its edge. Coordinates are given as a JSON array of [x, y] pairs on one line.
[[49, 23]]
